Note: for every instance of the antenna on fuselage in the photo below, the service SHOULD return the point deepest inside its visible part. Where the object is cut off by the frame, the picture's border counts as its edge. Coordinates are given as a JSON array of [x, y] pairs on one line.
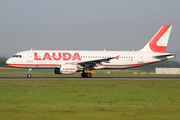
[[31, 49]]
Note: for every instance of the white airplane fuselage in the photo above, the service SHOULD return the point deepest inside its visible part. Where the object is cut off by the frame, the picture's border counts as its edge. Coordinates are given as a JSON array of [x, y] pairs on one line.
[[70, 62], [54, 59]]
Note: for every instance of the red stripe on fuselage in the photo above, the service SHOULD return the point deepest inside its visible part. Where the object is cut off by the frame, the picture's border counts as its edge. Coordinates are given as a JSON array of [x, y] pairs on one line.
[[128, 65], [34, 64]]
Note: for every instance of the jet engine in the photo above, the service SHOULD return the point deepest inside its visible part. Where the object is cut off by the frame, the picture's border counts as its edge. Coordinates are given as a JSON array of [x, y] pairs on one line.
[[66, 69]]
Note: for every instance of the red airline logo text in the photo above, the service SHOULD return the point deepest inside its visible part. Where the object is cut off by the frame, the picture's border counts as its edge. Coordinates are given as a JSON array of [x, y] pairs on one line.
[[64, 56], [69, 69]]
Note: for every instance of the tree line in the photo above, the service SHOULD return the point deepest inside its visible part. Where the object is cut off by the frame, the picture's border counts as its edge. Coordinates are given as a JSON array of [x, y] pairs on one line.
[[3, 62]]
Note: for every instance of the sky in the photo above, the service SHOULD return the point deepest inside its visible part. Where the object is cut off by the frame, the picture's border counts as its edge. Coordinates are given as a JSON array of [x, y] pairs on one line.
[[121, 25]]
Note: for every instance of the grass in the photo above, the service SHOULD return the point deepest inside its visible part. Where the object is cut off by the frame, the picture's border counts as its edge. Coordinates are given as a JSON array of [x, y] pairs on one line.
[[96, 99]]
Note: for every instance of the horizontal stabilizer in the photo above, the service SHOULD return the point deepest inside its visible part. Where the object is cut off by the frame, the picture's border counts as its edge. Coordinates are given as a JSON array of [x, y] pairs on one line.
[[169, 56]]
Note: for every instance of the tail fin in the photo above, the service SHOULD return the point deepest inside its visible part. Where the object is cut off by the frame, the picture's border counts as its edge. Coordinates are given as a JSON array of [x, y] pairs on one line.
[[159, 42]]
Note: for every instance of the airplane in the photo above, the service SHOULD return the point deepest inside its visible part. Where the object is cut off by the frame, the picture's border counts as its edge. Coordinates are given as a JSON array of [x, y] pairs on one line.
[[71, 62]]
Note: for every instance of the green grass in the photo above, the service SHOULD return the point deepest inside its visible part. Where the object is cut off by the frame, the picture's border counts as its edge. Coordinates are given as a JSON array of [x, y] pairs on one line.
[[91, 100]]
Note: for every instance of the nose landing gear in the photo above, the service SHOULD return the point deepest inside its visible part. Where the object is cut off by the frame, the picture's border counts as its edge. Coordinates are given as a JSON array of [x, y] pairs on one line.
[[29, 73]]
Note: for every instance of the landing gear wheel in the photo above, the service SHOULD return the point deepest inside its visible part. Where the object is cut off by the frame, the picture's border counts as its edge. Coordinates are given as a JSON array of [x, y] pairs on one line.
[[89, 75], [29, 75], [83, 75]]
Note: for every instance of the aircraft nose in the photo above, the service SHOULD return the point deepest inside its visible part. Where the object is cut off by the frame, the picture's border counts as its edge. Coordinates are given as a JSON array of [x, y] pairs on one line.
[[9, 61]]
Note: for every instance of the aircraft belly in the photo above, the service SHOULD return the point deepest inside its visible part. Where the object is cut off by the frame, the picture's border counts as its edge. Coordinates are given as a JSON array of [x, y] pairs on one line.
[[35, 65], [123, 65]]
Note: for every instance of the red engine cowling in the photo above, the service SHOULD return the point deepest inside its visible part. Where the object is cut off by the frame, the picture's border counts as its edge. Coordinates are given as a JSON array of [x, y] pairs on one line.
[[66, 69]]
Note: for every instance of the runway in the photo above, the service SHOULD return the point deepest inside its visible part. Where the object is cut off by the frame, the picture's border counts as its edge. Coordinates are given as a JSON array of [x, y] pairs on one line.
[[104, 78]]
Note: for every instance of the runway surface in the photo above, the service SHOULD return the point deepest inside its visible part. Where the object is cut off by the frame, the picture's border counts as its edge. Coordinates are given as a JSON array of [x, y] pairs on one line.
[[106, 78]]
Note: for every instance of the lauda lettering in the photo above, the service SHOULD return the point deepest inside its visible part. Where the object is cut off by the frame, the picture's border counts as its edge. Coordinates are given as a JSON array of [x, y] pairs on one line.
[[68, 68], [47, 56], [56, 58], [65, 56]]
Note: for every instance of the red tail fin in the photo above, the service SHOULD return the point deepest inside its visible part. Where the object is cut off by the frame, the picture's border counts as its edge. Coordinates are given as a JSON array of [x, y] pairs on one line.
[[159, 42]]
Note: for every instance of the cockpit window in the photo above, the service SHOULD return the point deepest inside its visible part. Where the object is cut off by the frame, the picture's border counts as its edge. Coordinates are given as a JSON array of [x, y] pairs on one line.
[[17, 56], [14, 56]]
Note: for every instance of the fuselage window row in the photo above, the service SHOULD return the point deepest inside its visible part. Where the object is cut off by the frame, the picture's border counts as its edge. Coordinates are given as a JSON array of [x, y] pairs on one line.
[[19, 56]]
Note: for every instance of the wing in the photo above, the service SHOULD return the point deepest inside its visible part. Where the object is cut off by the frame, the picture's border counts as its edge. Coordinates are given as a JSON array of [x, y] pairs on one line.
[[92, 62], [95, 61]]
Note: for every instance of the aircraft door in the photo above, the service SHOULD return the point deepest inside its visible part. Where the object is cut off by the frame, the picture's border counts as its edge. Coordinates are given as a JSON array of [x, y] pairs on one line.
[[30, 56], [140, 58]]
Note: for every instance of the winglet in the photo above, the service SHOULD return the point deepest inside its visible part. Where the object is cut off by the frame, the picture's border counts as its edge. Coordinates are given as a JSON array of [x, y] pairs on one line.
[[159, 42], [117, 57]]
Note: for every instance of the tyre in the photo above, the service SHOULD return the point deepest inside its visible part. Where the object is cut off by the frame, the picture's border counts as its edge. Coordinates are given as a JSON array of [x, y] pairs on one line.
[[29, 75]]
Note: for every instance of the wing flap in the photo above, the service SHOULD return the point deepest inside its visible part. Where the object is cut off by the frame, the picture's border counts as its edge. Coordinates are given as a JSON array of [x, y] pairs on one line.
[[92, 62]]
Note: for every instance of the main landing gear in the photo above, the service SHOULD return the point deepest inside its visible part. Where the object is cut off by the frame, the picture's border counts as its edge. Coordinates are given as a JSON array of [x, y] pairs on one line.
[[29, 73], [86, 75]]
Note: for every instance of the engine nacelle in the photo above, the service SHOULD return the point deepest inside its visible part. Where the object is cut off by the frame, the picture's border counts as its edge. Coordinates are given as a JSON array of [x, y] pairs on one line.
[[66, 69]]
